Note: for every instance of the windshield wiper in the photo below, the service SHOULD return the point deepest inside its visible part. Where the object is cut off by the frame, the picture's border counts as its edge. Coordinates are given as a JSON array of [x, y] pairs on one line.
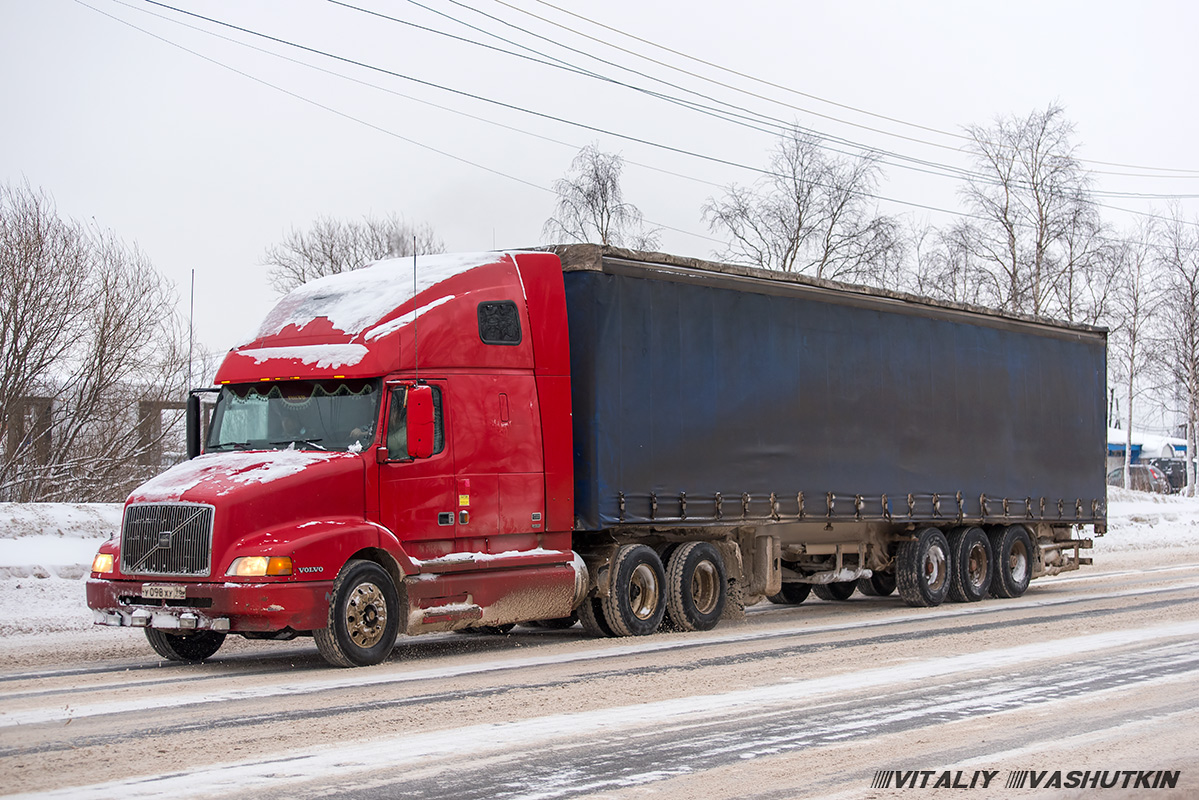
[[234, 445], [312, 442]]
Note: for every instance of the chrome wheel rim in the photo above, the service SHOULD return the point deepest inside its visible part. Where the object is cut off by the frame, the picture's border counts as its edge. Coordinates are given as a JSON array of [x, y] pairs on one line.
[[366, 615], [705, 587], [643, 592], [934, 568], [1018, 562], [976, 566]]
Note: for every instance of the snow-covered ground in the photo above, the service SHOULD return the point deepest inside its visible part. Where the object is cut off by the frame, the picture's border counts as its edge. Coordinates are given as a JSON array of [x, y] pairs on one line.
[[46, 548]]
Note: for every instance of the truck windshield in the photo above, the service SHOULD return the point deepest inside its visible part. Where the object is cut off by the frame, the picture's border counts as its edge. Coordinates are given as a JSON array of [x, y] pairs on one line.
[[301, 415]]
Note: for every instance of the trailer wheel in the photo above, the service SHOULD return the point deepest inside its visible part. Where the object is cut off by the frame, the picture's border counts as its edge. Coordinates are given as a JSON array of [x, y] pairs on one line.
[[364, 617], [1012, 549], [636, 599], [973, 565], [879, 584], [922, 568], [695, 587], [835, 592], [792, 594], [191, 648]]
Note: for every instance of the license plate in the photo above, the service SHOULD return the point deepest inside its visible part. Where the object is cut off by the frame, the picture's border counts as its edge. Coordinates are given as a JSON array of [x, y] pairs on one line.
[[163, 592]]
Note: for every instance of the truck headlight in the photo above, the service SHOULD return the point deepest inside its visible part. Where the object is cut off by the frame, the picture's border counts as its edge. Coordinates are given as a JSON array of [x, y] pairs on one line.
[[257, 566], [102, 563]]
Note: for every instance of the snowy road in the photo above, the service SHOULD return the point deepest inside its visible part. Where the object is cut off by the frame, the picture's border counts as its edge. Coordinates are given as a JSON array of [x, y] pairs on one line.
[[1093, 671]]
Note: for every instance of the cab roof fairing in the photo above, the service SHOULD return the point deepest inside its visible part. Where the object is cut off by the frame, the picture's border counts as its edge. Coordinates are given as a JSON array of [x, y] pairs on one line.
[[359, 324]]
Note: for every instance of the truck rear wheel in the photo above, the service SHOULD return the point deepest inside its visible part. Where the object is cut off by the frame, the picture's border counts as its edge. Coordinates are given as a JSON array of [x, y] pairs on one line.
[[636, 599], [879, 584], [973, 565], [695, 587], [591, 617], [835, 592], [792, 594], [922, 568], [364, 617], [191, 648], [1012, 549]]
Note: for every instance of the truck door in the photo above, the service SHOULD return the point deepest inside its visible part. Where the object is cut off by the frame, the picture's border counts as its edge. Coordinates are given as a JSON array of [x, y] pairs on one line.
[[417, 498]]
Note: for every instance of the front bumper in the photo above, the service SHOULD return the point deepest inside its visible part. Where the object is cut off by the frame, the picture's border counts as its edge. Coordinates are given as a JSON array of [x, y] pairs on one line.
[[233, 607]]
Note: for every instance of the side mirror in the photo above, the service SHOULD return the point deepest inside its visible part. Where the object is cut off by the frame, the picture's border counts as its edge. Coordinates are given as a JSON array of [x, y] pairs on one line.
[[193, 425], [420, 421]]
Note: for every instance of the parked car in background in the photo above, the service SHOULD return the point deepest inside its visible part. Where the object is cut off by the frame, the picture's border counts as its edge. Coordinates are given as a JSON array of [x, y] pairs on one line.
[[1175, 470], [1144, 478]]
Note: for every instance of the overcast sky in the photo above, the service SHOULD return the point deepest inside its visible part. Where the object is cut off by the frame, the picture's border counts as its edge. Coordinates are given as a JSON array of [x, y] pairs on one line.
[[185, 139]]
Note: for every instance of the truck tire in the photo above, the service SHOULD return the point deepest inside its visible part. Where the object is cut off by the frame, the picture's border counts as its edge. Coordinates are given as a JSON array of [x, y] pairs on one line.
[[636, 599], [1012, 549], [591, 617], [879, 584], [922, 569], [835, 592], [364, 617], [695, 587], [792, 594], [191, 648], [972, 564]]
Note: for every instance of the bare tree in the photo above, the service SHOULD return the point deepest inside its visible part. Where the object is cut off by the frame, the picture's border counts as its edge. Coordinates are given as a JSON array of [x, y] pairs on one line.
[[1036, 229], [330, 246], [811, 214], [1132, 307], [89, 331], [591, 205], [1178, 259]]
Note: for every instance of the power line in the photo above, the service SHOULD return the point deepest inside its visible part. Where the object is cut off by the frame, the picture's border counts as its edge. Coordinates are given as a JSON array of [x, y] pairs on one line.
[[351, 117], [1191, 172]]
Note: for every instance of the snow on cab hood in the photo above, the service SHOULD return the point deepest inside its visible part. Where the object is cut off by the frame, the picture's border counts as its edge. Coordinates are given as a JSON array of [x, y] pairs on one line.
[[221, 473]]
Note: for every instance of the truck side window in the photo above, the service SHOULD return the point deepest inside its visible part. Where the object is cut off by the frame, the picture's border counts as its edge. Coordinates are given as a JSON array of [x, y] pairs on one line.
[[499, 323], [397, 419]]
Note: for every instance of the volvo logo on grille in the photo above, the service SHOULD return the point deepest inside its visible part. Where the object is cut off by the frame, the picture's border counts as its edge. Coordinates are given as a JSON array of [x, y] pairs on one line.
[[164, 538]]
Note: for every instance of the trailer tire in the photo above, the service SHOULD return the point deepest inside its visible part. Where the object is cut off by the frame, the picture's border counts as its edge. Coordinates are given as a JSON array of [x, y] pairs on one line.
[[636, 600], [972, 564], [591, 617], [190, 648], [1012, 549], [922, 568], [364, 617], [837, 592], [879, 584], [695, 587], [792, 594]]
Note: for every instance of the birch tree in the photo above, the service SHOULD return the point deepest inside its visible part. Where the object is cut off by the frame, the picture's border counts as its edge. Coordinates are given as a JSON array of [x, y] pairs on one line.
[[591, 205], [329, 246], [812, 213]]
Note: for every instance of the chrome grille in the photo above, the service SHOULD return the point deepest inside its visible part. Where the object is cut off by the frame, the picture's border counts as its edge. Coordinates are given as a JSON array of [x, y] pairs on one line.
[[167, 539]]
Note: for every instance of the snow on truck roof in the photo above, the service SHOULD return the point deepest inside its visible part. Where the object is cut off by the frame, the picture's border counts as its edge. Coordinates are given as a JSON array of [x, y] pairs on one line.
[[354, 301]]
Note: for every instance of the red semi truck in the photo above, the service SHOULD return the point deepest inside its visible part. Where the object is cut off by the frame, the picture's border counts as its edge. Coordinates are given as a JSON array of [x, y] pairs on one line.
[[627, 439]]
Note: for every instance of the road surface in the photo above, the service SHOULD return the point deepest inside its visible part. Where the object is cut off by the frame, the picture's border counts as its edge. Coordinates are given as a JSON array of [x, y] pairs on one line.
[[1095, 672]]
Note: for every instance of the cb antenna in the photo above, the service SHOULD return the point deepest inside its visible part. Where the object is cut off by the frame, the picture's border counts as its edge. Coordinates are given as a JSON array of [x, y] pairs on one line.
[[415, 316]]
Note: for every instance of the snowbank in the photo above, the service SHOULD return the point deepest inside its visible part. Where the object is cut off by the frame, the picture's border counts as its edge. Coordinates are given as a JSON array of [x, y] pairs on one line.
[[45, 550]]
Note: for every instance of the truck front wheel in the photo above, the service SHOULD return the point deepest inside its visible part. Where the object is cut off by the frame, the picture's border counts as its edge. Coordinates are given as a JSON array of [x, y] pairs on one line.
[[188, 647], [636, 601], [696, 587], [364, 617], [922, 568]]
